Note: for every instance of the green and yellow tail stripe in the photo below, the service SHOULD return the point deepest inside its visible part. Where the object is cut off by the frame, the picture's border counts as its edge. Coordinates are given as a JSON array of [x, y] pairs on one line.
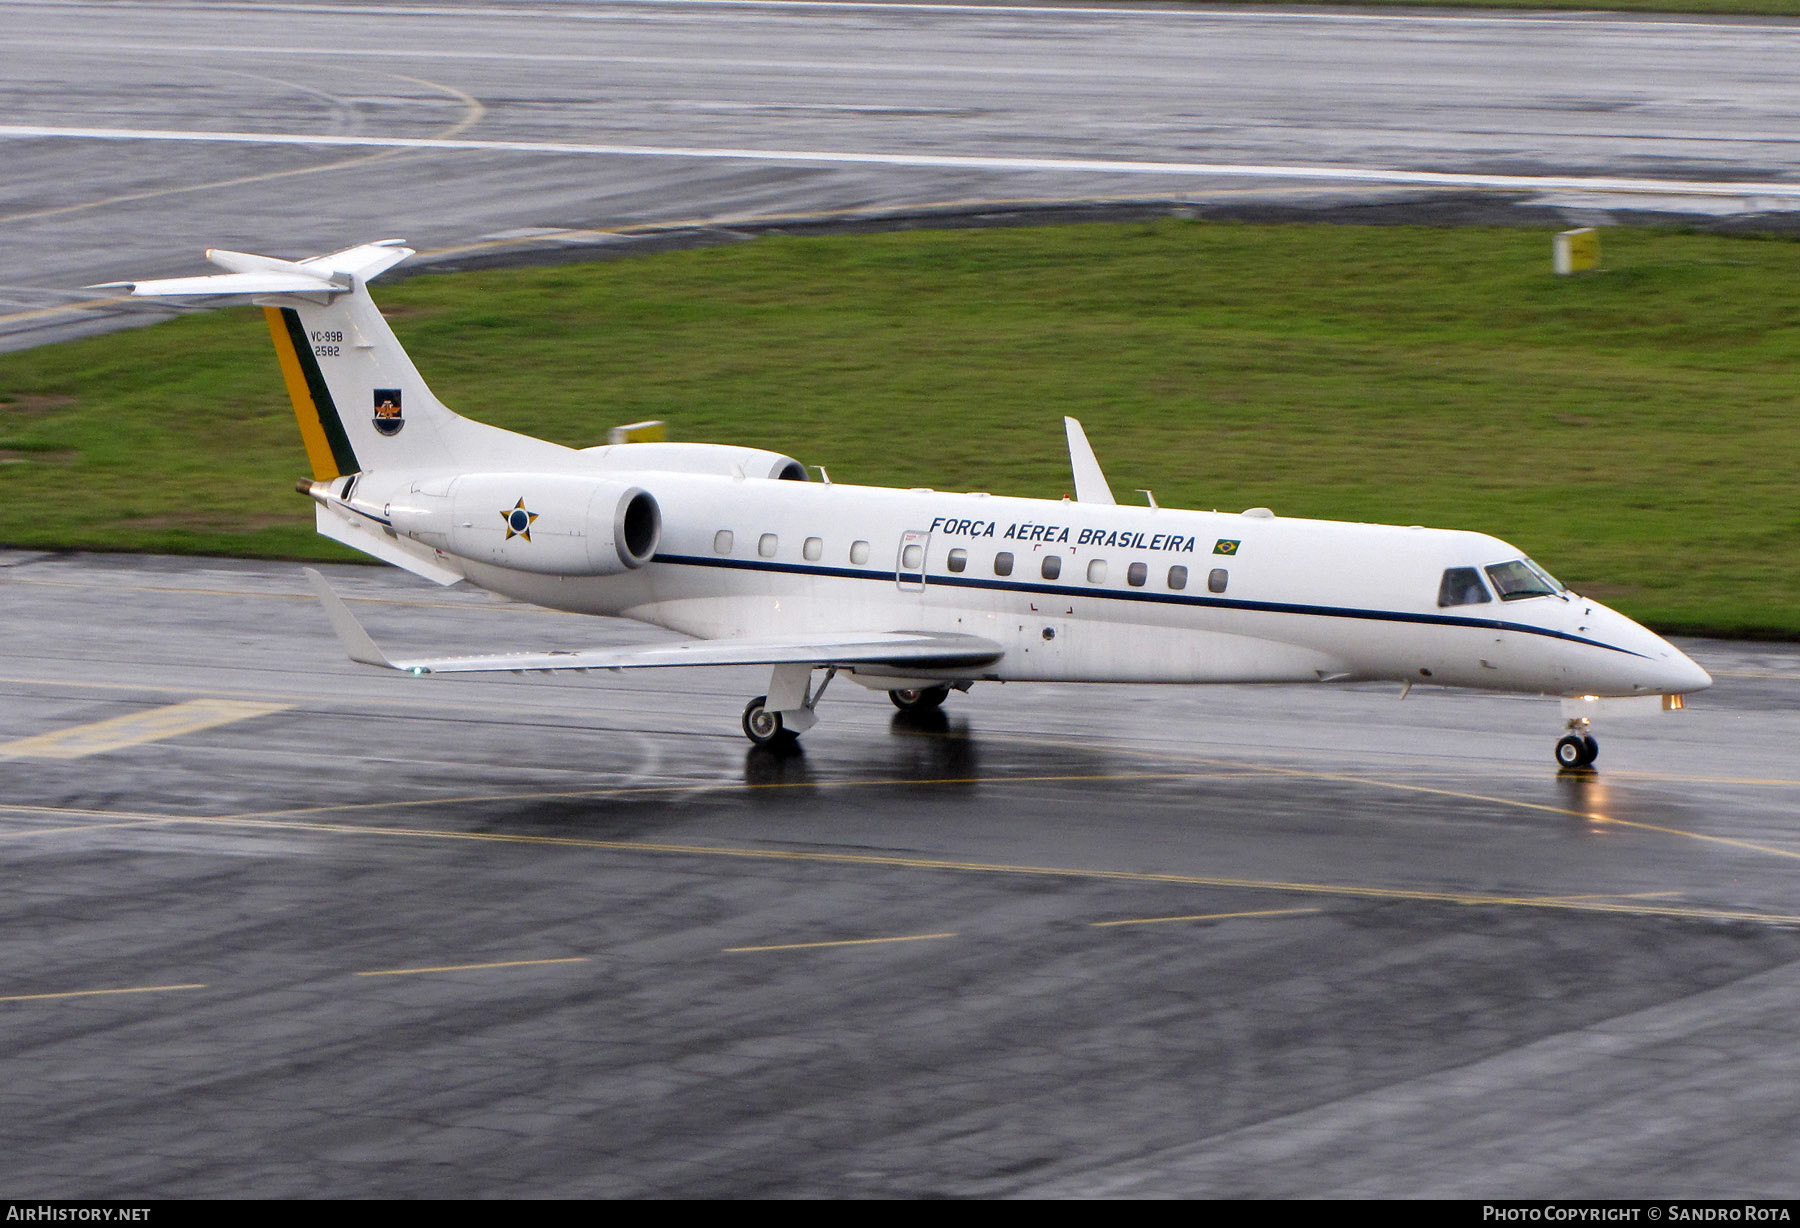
[[327, 446]]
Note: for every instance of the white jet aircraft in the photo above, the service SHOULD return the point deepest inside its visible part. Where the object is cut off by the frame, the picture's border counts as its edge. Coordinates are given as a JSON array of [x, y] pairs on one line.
[[913, 592]]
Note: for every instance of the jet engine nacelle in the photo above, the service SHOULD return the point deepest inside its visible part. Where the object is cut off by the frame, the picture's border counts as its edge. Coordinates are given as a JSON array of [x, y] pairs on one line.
[[725, 460], [549, 523]]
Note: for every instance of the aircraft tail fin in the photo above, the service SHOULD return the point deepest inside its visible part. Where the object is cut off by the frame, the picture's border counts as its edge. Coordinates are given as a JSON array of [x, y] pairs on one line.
[[359, 401]]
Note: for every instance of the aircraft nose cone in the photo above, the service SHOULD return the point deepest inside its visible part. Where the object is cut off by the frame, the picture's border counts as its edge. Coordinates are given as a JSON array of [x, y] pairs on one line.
[[1659, 668], [1683, 674]]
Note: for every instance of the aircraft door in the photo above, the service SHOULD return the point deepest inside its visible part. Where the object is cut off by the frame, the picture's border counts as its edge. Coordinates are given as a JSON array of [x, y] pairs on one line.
[[909, 564]]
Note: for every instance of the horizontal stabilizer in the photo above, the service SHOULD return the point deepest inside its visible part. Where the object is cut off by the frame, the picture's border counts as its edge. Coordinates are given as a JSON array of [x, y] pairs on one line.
[[228, 283], [365, 261], [253, 276], [245, 262], [917, 649]]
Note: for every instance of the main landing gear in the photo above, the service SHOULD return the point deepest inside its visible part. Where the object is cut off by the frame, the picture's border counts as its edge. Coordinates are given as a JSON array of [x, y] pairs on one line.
[[1577, 748], [920, 699], [766, 728], [780, 717]]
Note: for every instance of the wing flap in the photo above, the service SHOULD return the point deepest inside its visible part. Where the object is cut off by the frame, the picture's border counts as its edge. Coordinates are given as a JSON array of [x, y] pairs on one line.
[[918, 649]]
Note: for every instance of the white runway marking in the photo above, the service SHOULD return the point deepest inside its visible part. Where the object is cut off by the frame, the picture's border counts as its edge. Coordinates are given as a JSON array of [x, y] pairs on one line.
[[140, 48], [620, 9], [1780, 190]]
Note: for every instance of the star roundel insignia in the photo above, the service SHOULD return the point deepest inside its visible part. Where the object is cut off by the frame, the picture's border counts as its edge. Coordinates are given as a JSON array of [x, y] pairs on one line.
[[518, 521]]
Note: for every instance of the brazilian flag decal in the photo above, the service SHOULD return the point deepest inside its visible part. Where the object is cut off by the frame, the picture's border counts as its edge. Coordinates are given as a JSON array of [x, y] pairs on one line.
[[1225, 546]]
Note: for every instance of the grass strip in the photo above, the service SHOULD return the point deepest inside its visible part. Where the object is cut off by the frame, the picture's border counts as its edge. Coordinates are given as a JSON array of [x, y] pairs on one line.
[[1636, 429], [1715, 8]]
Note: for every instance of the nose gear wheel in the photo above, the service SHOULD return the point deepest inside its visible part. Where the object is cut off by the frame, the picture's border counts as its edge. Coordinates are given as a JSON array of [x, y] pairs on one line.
[[1576, 751]]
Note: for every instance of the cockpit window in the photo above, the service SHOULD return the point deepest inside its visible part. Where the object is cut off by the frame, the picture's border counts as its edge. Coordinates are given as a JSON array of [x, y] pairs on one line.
[[1555, 584], [1462, 586], [1520, 579]]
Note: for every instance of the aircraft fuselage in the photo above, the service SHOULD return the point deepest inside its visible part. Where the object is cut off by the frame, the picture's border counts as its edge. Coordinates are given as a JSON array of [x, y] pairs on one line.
[[1074, 592]]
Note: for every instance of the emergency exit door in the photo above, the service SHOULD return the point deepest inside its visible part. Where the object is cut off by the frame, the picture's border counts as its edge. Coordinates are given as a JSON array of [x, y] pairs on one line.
[[909, 565]]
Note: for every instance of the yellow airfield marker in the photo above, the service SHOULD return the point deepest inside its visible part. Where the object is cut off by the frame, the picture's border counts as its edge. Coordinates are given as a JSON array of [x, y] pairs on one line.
[[1576, 251]]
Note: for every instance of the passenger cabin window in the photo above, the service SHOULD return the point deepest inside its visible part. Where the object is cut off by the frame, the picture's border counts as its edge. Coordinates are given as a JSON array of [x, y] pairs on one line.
[[1217, 579], [1178, 577], [813, 549], [1096, 571], [722, 542], [1136, 574], [1052, 566], [765, 545], [1520, 579], [912, 557], [1003, 564], [958, 560], [1462, 586], [859, 552]]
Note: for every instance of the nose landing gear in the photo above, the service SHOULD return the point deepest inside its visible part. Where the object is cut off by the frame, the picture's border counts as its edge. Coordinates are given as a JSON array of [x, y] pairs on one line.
[[1577, 748]]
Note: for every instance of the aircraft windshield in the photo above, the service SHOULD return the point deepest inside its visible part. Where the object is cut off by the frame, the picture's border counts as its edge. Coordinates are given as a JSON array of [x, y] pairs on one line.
[[1520, 579]]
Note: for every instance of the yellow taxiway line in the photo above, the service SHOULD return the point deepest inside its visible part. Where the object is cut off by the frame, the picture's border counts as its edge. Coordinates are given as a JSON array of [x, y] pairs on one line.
[[840, 942], [473, 112], [1206, 916], [884, 861], [96, 993], [136, 728], [1375, 782], [503, 963]]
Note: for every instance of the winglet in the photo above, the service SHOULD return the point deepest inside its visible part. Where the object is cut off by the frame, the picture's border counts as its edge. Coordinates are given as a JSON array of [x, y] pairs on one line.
[[355, 640], [1090, 483]]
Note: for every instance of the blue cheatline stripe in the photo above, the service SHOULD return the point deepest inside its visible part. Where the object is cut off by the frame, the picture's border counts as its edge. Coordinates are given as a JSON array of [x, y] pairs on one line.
[[356, 511], [1183, 599]]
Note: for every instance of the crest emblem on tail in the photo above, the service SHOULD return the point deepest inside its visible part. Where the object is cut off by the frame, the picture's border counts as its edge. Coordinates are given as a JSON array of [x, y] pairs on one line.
[[387, 411]]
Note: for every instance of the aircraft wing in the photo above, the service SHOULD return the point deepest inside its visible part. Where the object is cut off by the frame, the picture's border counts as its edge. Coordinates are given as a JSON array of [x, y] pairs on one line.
[[919, 649]]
